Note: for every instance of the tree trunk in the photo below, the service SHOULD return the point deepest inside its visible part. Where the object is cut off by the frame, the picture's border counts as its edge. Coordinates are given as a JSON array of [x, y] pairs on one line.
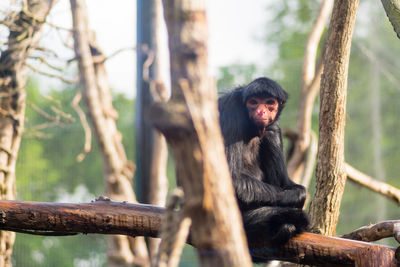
[[189, 121], [118, 171], [25, 31], [331, 174]]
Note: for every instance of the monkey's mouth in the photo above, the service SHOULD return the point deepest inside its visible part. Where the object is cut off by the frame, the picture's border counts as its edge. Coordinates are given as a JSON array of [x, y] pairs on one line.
[[262, 122], [261, 119]]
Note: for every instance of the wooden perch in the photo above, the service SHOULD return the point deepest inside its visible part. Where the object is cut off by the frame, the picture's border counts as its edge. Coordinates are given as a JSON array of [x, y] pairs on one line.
[[108, 217], [318, 250], [101, 217]]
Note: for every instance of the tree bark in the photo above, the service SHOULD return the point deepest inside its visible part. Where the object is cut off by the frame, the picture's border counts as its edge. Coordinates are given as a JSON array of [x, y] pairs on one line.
[[25, 32], [331, 174], [107, 217], [118, 171], [189, 121], [102, 216]]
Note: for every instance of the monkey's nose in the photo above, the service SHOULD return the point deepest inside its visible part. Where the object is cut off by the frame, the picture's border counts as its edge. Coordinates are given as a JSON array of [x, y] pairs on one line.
[[261, 112]]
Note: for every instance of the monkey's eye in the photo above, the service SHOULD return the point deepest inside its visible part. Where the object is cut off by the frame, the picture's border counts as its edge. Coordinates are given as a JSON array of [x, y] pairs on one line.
[[271, 102], [252, 103]]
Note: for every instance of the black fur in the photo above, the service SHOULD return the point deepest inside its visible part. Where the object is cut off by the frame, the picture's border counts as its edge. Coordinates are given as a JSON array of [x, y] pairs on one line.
[[271, 204]]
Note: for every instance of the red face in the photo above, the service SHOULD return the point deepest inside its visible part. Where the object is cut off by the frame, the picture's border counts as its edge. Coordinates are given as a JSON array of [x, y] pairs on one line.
[[262, 110]]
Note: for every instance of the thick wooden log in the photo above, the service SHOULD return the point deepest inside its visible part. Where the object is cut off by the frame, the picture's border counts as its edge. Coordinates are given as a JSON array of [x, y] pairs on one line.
[[108, 217], [318, 250], [100, 217]]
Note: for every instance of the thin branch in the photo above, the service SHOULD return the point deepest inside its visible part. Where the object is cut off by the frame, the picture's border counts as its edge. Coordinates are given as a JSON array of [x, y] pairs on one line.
[[51, 75], [44, 61], [42, 112], [102, 58], [47, 51], [62, 114], [58, 27], [85, 125], [312, 43], [385, 189], [376, 232], [115, 53]]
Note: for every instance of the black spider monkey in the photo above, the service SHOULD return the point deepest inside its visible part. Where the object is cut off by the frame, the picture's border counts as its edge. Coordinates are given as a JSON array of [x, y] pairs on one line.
[[271, 204]]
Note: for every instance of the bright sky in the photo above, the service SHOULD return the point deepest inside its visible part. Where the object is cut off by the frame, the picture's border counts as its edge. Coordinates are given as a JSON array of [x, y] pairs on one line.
[[235, 28]]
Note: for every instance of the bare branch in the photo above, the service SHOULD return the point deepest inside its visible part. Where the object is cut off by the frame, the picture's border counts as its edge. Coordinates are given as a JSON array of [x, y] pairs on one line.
[[385, 189], [85, 125], [44, 61], [376, 232], [58, 27], [115, 53], [51, 75], [312, 43]]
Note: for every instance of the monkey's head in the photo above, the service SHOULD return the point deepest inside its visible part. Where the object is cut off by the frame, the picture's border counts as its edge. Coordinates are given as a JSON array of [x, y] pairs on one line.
[[264, 100]]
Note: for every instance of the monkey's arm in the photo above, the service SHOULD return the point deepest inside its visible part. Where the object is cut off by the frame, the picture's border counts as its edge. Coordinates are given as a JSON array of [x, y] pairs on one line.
[[250, 191]]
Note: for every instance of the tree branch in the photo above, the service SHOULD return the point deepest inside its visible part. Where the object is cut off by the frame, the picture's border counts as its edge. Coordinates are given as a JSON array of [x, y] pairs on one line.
[[385, 189], [376, 232], [108, 217], [102, 217]]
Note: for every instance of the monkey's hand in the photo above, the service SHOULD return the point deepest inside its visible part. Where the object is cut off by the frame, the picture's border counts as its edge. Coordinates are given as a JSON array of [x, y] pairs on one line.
[[293, 197], [287, 224]]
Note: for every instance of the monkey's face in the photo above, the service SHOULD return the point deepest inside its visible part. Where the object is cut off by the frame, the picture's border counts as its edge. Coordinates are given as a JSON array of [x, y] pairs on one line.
[[262, 110]]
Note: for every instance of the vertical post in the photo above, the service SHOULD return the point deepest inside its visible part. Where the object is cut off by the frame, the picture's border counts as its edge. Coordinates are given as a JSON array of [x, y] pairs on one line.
[[144, 133]]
